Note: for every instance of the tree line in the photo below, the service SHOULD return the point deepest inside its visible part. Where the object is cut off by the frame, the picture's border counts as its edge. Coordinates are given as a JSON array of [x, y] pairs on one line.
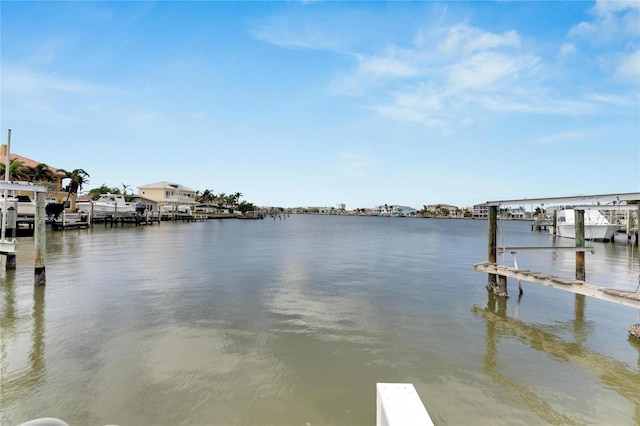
[[42, 174]]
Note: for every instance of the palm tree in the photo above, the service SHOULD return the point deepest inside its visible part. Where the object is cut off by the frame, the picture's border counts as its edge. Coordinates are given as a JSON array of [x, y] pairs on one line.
[[237, 197], [78, 178], [41, 173], [206, 196], [17, 170]]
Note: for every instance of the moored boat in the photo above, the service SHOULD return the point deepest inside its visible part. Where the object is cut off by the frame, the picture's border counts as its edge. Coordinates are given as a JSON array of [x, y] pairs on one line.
[[179, 209], [108, 204], [596, 225]]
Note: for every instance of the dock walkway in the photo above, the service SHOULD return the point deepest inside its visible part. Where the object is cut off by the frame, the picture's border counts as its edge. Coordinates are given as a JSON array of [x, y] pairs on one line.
[[621, 297]]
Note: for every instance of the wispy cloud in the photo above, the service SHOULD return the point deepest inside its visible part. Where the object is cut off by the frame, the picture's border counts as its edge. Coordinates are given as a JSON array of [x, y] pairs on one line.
[[627, 100], [562, 137], [629, 65], [356, 165], [18, 80], [295, 31], [388, 66], [486, 69], [566, 50], [462, 38], [616, 25]]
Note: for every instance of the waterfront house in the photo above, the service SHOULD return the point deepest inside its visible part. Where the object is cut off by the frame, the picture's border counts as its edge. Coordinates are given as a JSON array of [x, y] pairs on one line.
[[480, 211], [29, 173], [163, 193], [393, 210]]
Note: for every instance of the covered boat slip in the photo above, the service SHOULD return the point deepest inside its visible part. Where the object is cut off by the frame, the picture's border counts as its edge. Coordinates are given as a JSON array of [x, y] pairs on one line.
[[497, 274]]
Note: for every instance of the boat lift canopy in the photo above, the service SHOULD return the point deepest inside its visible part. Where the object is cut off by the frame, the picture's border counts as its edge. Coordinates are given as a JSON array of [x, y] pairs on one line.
[[572, 200]]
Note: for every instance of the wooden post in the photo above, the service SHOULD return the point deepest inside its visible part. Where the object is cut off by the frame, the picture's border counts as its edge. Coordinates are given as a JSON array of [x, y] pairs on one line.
[[493, 243], [555, 222], [12, 220], [40, 241], [579, 221], [12, 231]]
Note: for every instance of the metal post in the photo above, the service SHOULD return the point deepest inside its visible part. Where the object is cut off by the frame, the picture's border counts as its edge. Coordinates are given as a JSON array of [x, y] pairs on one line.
[[7, 170], [579, 221], [40, 240]]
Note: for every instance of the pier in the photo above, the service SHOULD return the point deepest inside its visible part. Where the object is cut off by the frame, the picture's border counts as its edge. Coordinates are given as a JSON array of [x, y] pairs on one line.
[[497, 274]]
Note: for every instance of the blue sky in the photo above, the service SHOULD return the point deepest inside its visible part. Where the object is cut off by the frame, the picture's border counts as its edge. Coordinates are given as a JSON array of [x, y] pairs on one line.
[[318, 103]]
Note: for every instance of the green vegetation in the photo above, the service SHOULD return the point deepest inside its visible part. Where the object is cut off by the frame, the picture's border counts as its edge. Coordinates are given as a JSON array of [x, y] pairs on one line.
[[78, 177]]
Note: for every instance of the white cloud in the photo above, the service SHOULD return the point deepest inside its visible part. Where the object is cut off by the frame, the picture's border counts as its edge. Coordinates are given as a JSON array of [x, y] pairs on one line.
[[464, 39], [567, 49], [616, 100], [16, 80], [563, 137], [488, 68], [629, 65], [614, 21], [290, 32], [385, 67], [606, 7]]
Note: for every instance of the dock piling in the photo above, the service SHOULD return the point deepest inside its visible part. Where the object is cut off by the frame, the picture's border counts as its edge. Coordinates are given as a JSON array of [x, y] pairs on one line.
[[40, 241], [580, 267]]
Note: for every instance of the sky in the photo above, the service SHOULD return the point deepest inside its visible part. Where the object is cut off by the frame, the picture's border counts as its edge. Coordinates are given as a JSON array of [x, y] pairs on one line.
[[317, 103]]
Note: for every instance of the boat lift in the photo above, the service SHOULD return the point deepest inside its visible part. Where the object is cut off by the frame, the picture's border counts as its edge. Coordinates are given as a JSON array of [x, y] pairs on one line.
[[497, 274]]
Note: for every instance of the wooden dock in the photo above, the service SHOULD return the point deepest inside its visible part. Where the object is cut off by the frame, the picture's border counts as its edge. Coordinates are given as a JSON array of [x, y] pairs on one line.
[[574, 286]]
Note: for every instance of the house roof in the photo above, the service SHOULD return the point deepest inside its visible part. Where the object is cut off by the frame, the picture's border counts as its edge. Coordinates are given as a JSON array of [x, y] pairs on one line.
[[28, 162], [165, 185]]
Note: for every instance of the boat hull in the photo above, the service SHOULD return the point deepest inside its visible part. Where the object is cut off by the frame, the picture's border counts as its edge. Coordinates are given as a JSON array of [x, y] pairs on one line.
[[105, 209], [591, 232]]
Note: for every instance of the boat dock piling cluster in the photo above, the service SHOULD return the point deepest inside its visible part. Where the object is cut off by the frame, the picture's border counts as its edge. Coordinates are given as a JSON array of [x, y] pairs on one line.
[[497, 274]]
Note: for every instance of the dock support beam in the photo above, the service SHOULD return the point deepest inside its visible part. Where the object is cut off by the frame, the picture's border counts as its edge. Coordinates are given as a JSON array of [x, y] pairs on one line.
[[580, 268], [40, 241]]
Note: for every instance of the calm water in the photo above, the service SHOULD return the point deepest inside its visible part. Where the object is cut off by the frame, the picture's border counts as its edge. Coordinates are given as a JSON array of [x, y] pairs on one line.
[[292, 322]]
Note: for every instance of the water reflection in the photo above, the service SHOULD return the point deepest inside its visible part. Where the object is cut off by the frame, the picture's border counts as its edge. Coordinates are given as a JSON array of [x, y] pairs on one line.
[[572, 352], [21, 380]]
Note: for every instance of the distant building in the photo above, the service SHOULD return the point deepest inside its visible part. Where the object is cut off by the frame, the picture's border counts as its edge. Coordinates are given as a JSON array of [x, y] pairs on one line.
[[443, 210], [164, 193], [393, 210], [480, 211]]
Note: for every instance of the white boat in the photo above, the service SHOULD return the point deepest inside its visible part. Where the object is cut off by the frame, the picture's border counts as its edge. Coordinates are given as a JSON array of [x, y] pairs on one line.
[[108, 204], [26, 207], [179, 209], [596, 226]]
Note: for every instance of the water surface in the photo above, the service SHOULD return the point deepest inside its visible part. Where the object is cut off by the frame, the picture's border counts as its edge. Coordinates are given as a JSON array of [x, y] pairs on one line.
[[293, 322]]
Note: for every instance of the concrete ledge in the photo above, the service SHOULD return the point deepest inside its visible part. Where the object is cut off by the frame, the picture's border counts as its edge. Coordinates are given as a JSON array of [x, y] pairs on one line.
[[398, 404]]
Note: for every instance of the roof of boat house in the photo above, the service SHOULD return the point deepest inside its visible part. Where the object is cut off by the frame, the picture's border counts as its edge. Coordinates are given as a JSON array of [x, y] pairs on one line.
[[165, 184]]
